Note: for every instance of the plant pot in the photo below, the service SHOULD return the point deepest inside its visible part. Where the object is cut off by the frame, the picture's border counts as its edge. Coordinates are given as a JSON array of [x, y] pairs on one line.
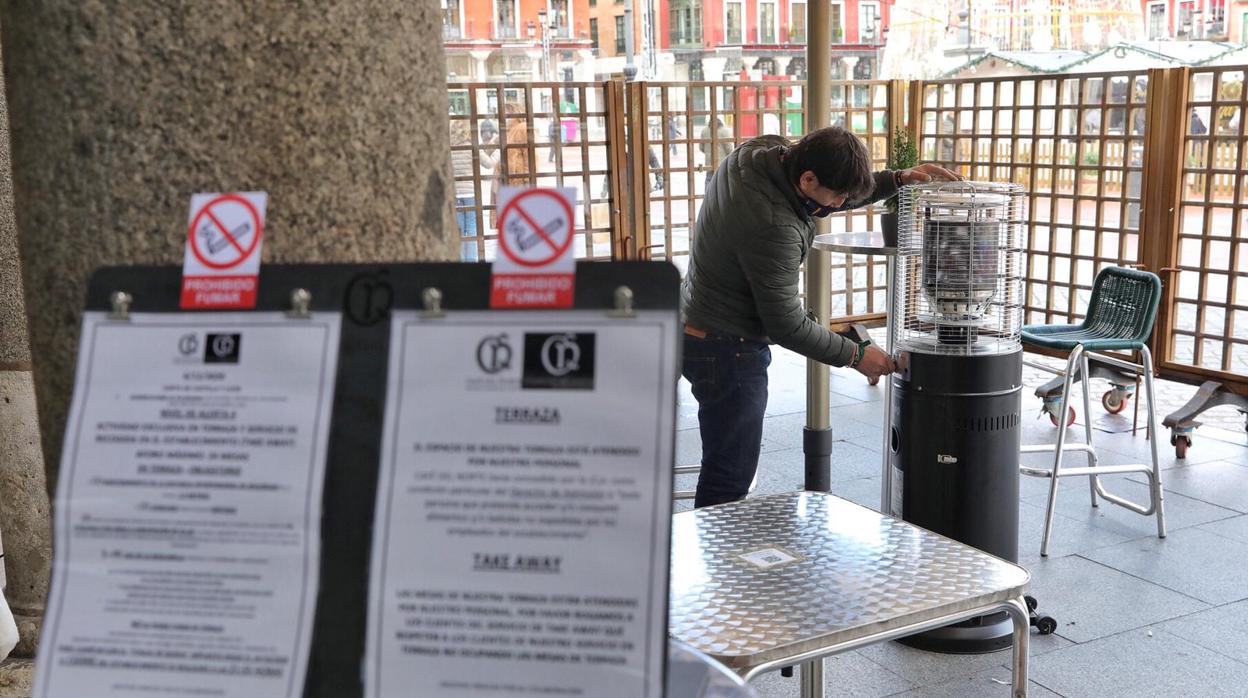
[[888, 225]]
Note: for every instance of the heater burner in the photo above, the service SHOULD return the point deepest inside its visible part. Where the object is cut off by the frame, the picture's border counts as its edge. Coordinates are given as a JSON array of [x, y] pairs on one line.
[[958, 256]]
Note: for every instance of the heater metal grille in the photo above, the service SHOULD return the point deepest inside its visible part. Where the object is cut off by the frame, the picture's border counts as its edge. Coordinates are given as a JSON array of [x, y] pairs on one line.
[[958, 289]]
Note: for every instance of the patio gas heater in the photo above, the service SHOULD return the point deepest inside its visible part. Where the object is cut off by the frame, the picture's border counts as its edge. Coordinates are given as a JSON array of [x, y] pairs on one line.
[[954, 429]]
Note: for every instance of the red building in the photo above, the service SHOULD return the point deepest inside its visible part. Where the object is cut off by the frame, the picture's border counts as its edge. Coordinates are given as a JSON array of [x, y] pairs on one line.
[[680, 39], [714, 39], [1192, 19], [509, 40]]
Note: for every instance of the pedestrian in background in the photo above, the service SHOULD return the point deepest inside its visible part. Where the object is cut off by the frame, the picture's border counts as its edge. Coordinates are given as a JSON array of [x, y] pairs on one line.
[[716, 146], [465, 189]]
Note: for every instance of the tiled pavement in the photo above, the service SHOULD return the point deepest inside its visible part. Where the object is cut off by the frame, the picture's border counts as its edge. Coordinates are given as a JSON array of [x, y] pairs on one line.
[[1137, 616]]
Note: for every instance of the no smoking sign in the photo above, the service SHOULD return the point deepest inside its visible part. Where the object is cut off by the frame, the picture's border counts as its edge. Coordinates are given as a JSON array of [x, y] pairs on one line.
[[221, 266], [535, 266]]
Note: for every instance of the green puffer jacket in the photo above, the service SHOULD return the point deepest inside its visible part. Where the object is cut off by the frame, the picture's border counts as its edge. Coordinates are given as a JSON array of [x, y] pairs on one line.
[[747, 249]]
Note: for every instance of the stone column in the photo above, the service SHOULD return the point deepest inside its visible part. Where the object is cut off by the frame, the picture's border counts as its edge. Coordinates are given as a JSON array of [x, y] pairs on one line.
[[121, 110], [24, 511], [713, 67], [483, 71]]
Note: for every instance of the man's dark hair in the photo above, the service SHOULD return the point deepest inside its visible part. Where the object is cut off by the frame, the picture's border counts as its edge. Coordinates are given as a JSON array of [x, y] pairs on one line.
[[838, 158]]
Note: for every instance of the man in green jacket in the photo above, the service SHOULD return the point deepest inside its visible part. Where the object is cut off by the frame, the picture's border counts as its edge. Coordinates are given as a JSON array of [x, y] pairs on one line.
[[740, 293]]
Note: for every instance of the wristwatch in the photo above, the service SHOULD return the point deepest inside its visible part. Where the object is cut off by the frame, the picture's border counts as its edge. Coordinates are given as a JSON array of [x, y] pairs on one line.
[[897, 178]]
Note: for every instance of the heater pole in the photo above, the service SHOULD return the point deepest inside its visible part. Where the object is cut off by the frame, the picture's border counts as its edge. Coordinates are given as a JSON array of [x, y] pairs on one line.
[[817, 436]]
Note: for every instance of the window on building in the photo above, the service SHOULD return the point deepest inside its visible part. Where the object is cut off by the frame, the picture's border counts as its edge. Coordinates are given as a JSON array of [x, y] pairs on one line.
[[593, 32], [1217, 19], [797, 23], [619, 34], [836, 12], [505, 19], [684, 25], [1184, 28], [869, 22], [593, 3], [559, 14], [732, 21], [1243, 29], [1157, 20], [452, 19], [767, 17]]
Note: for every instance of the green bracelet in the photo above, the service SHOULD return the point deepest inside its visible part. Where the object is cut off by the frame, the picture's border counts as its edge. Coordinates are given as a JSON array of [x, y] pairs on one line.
[[861, 352]]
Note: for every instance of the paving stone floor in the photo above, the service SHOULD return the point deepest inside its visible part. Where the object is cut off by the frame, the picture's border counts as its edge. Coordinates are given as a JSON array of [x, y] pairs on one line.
[[1137, 616]]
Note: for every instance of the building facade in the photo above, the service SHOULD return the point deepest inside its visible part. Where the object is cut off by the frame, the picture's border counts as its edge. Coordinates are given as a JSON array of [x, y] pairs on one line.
[[517, 40], [757, 39], [502, 40], [1194, 20]]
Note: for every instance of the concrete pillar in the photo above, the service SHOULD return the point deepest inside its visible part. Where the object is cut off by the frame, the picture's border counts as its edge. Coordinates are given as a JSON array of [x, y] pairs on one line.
[[25, 519], [713, 67], [482, 73], [121, 110], [782, 64]]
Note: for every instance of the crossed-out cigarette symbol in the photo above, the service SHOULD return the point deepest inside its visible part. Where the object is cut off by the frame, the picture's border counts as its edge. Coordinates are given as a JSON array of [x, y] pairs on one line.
[[215, 239], [526, 237]]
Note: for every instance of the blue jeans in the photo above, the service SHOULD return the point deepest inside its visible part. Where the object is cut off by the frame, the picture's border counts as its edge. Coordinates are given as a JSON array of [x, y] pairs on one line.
[[467, 220], [729, 379]]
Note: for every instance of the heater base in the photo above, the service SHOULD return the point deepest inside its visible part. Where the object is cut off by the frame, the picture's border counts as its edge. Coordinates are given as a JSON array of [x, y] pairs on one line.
[[981, 635]]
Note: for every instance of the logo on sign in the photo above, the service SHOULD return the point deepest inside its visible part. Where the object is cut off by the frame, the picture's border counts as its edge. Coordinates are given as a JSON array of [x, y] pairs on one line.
[[222, 348], [369, 297], [188, 344], [494, 354], [558, 361]]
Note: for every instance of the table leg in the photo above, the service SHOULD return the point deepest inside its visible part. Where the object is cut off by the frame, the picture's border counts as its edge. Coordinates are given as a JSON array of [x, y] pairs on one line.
[[1017, 608], [812, 679], [886, 470]]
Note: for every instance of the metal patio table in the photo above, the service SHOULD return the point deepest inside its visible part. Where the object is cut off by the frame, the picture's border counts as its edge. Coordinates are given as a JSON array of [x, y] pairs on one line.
[[872, 243], [692, 674], [789, 579]]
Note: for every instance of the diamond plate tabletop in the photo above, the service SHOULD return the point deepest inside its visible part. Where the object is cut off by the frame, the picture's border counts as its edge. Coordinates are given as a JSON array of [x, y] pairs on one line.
[[774, 577]]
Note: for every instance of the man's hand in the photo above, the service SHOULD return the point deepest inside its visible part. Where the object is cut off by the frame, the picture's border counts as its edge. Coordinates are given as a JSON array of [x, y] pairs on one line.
[[875, 363], [928, 171]]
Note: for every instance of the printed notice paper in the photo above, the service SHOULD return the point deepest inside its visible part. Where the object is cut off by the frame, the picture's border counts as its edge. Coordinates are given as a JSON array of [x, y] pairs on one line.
[[524, 506], [189, 506]]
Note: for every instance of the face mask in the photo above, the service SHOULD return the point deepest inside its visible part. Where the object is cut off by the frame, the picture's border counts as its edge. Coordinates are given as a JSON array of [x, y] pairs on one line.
[[814, 208]]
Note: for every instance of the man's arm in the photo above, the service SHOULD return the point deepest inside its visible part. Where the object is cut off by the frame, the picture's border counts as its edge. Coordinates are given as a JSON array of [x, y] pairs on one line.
[[887, 182], [772, 265]]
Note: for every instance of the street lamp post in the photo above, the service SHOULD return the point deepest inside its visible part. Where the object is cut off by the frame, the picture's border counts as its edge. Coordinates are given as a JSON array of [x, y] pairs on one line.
[[541, 21]]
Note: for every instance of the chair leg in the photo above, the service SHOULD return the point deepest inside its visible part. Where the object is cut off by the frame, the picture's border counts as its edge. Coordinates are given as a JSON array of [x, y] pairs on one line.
[[1071, 364], [1087, 424], [1158, 494]]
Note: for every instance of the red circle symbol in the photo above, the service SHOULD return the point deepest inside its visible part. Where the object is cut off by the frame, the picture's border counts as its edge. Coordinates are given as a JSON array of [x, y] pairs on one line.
[[542, 235], [219, 233]]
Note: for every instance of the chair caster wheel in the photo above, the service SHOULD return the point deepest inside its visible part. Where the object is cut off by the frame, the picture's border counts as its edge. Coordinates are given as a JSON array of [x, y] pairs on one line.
[[787, 672], [1181, 443], [1045, 625], [1070, 417], [1031, 602], [1115, 401]]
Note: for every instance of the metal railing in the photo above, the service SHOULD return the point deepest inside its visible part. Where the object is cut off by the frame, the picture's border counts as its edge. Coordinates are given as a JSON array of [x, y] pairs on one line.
[[1137, 168]]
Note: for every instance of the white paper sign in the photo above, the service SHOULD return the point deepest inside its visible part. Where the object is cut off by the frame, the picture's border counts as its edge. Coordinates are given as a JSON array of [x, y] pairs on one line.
[[524, 507], [188, 507]]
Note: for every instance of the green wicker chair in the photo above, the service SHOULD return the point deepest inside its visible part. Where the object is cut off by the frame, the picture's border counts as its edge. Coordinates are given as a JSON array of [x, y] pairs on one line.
[[1120, 318]]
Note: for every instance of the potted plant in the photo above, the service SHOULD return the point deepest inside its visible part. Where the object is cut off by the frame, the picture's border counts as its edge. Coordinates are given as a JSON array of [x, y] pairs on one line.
[[901, 156], [1088, 177]]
